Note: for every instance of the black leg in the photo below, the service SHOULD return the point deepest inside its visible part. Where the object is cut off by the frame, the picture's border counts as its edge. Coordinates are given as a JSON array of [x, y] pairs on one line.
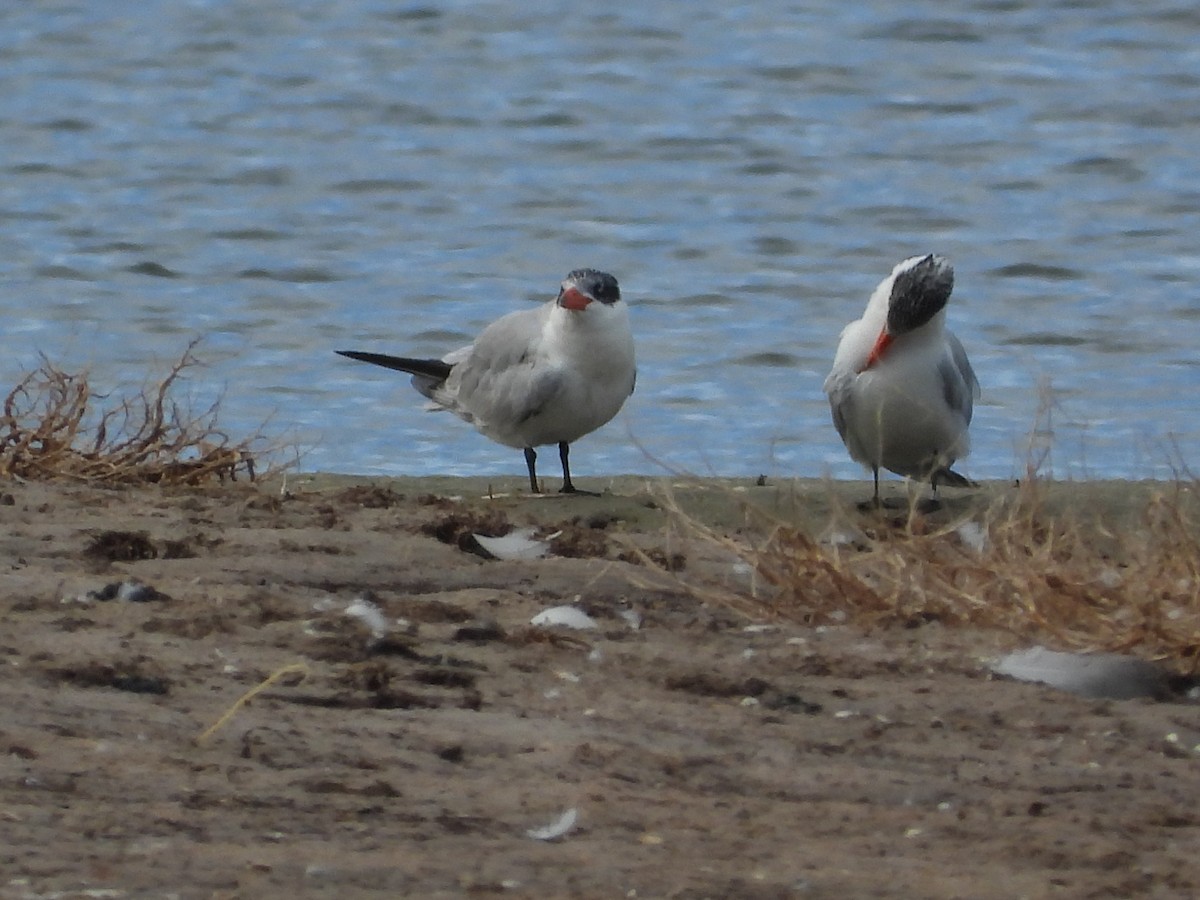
[[568, 487], [531, 462], [874, 502], [931, 504], [564, 451]]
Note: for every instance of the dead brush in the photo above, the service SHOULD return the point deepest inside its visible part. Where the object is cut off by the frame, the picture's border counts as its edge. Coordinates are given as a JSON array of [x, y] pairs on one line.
[[54, 426], [1082, 584]]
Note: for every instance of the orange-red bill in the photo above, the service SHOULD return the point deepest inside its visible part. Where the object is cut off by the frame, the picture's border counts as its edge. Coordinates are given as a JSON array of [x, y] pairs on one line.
[[881, 346], [573, 299]]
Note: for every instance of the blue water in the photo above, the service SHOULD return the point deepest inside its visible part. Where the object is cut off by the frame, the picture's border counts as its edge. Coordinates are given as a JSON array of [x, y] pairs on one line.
[[286, 178]]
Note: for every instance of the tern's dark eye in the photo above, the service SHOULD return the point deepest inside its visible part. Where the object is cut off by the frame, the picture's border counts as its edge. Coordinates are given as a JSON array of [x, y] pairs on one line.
[[606, 290]]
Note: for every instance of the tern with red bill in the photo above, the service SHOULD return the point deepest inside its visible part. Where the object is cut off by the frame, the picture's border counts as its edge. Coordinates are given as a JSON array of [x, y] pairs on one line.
[[539, 376], [902, 389]]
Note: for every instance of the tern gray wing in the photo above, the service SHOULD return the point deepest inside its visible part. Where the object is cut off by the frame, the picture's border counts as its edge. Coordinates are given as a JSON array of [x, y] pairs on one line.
[[837, 388], [531, 398], [505, 381], [510, 341], [960, 387], [501, 402]]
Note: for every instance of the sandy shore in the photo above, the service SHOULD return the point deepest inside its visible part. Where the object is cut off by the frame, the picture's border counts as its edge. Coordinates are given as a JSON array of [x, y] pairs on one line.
[[702, 754]]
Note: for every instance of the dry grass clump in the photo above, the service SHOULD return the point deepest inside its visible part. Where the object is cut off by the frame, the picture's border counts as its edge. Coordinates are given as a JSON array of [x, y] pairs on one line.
[[1083, 584], [56, 426]]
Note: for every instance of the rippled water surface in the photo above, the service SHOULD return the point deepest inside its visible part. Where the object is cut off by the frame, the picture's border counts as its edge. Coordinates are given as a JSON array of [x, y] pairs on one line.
[[289, 178]]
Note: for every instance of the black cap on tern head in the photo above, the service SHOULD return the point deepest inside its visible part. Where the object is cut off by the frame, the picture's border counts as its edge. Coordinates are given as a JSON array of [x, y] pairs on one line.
[[596, 284], [919, 293]]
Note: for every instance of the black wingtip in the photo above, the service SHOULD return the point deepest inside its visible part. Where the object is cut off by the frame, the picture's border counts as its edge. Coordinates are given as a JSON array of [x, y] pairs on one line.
[[950, 478], [428, 368], [378, 359]]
